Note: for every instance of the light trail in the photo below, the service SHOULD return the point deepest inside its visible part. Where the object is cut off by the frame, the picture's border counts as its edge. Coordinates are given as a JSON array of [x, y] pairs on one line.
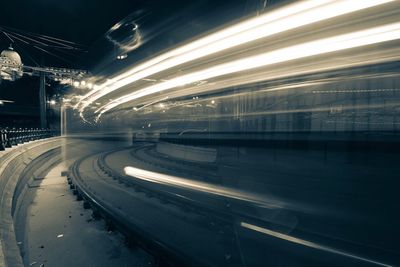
[[309, 244], [313, 48], [6, 101], [208, 188], [180, 182], [284, 19]]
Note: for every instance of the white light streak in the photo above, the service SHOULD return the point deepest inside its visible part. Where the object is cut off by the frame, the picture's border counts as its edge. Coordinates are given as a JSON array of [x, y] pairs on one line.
[[180, 182], [281, 20], [308, 243], [2, 101], [314, 48]]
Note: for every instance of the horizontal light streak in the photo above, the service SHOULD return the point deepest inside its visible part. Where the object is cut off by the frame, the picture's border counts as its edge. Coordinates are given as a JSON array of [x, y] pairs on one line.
[[281, 20], [6, 101], [307, 243], [314, 48], [184, 183], [267, 112]]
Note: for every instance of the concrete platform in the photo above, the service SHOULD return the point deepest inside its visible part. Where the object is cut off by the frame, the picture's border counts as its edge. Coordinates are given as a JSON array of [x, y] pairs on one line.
[[13, 164], [60, 232]]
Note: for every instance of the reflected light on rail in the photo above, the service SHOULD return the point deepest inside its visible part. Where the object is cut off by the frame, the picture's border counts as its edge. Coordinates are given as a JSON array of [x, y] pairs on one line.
[[284, 19], [314, 48]]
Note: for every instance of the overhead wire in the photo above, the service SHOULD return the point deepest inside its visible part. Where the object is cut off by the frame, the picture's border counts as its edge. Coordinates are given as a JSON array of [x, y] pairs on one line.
[[8, 36], [36, 35], [25, 53], [33, 40], [43, 43], [52, 54]]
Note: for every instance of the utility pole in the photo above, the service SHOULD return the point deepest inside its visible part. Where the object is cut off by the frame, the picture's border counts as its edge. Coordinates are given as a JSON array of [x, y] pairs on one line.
[[42, 100]]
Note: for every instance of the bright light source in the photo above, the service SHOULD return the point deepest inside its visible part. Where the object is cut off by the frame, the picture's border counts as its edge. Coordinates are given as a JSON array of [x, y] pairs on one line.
[[212, 101], [90, 85], [76, 83], [123, 56], [52, 102], [83, 83], [1, 102]]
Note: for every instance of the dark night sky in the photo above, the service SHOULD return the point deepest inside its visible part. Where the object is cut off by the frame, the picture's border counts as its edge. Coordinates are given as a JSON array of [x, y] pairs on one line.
[[86, 21], [80, 21], [164, 24]]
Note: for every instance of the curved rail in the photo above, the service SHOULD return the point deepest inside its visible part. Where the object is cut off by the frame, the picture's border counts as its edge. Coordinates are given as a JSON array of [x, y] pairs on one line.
[[220, 208], [164, 255]]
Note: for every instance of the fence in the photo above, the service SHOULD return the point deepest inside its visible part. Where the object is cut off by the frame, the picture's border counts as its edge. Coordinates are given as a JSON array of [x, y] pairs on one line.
[[13, 137]]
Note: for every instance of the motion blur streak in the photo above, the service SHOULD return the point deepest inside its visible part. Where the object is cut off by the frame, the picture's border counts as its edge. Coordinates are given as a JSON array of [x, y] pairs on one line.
[[323, 46], [175, 181], [297, 110], [291, 17], [307, 243]]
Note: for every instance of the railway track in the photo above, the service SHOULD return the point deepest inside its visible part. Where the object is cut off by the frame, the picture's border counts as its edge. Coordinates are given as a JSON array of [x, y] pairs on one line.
[[117, 219], [221, 219]]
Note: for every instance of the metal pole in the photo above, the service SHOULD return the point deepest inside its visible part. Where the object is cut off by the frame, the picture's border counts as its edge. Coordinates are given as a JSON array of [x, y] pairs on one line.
[[42, 101], [63, 119]]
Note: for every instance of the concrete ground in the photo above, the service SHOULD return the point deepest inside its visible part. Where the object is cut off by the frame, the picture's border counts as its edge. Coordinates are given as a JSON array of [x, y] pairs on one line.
[[60, 232]]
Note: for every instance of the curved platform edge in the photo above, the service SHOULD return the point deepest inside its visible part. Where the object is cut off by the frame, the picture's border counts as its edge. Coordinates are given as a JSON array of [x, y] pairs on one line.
[[13, 164]]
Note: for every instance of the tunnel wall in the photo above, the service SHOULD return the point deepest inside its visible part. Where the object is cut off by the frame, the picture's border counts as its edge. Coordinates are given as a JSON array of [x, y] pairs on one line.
[[13, 183]]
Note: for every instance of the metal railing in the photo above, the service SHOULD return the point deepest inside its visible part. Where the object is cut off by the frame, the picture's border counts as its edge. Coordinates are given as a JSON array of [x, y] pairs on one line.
[[12, 137]]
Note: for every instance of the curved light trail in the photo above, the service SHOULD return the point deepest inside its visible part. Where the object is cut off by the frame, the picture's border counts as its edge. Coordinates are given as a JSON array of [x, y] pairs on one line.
[[327, 45], [281, 20], [208, 188]]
